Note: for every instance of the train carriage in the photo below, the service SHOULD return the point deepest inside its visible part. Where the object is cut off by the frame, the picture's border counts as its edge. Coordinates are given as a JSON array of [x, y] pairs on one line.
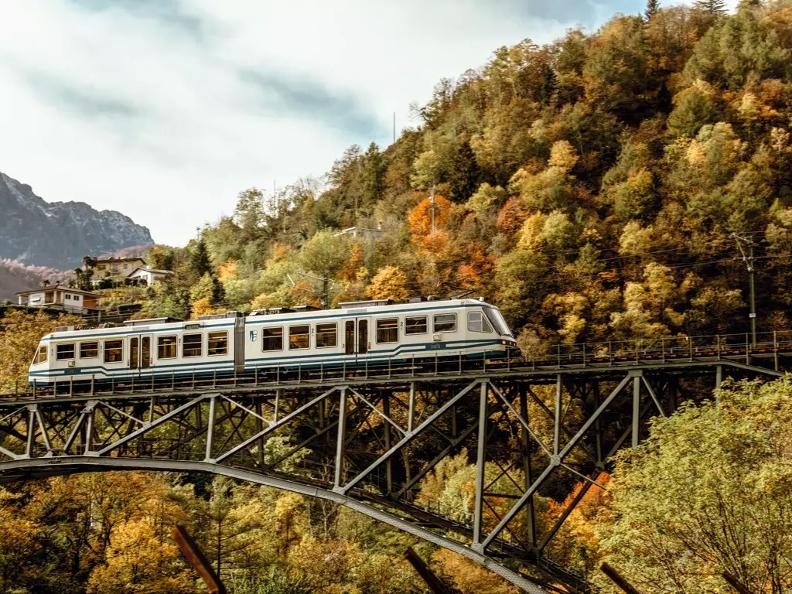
[[355, 334]]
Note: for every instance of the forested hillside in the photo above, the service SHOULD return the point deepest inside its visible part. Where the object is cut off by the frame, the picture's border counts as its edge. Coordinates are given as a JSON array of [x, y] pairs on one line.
[[595, 188], [604, 186]]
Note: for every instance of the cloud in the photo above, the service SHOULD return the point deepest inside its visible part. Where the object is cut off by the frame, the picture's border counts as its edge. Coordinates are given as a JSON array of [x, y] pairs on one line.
[[169, 12], [84, 102], [310, 99], [166, 109]]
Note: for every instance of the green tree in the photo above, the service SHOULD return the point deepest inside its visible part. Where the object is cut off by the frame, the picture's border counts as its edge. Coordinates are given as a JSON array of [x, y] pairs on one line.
[[200, 262], [708, 492], [714, 7]]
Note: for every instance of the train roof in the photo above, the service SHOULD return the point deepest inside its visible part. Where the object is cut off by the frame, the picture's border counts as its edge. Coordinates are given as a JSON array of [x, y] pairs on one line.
[[272, 315]]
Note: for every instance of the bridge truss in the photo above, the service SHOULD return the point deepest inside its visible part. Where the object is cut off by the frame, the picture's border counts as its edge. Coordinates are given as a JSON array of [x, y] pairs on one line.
[[368, 438]]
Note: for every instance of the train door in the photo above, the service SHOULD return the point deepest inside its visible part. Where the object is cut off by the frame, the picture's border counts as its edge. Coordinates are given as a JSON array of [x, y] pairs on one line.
[[140, 352], [239, 344], [134, 352], [362, 336], [356, 336], [145, 352]]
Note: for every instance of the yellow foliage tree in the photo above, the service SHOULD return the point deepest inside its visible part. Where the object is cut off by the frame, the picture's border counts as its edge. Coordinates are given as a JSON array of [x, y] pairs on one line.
[[470, 578], [203, 307], [20, 333], [139, 561], [228, 271], [389, 283]]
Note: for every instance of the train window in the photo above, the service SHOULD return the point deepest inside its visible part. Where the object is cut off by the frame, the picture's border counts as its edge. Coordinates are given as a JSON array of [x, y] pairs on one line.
[[326, 335], [388, 330], [497, 321], [415, 325], [113, 351], [41, 355], [272, 339], [89, 350], [217, 343], [166, 347], [192, 345], [477, 322], [299, 337], [64, 351], [445, 322]]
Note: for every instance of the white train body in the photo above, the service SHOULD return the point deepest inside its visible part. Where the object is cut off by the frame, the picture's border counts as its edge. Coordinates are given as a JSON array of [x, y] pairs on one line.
[[351, 335]]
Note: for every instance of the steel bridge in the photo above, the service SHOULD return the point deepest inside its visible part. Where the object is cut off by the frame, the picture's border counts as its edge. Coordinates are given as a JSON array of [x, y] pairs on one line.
[[366, 437]]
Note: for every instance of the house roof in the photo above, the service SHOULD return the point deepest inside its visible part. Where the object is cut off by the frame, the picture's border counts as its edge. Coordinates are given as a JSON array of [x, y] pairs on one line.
[[154, 270], [111, 260], [56, 288]]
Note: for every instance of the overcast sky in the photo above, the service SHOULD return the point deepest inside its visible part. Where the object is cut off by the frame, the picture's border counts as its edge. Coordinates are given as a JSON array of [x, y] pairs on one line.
[[166, 109]]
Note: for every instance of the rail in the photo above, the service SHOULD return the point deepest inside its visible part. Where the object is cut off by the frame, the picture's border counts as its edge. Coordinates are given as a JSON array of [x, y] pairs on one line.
[[770, 351]]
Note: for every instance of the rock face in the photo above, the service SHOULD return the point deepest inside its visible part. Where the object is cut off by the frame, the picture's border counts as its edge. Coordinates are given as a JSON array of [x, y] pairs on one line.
[[59, 234]]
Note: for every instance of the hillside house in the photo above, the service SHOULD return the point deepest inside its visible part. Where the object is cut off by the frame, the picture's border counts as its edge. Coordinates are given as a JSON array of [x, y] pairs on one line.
[[68, 299], [144, 275], [118, 268]]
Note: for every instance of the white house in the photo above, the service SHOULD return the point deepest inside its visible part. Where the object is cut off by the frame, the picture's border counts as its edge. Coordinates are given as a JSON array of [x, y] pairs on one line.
[[146, 275], [57, 297]]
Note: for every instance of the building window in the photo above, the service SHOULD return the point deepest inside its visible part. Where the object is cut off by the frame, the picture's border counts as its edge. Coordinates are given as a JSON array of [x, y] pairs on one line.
[[89, 350], [64, 351], [445, 322], [415, 325], [299, 337], [192, 345], [326, 335], [217, 343], [388, 330], [41, 355], [476, 322], [166, 347], [113, 351], [272, 339]]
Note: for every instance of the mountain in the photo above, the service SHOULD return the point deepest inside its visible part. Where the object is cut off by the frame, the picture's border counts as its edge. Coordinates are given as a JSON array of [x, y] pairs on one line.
[[59, 234], [15, 276]]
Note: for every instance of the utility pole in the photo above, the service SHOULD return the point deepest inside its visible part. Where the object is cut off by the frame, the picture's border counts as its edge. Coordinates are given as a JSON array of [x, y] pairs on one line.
[[432, 207], [748, 258]]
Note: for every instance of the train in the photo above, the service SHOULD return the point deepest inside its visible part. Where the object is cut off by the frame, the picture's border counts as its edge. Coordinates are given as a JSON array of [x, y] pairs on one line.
[[353, 334]]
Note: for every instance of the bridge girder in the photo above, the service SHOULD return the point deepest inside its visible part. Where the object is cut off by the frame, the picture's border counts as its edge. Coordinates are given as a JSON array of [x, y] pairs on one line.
[[369, 445]]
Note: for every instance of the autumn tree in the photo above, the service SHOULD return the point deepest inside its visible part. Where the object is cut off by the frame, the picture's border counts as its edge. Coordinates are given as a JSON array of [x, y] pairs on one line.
[[20, 333], [707, 492], [389, 283]]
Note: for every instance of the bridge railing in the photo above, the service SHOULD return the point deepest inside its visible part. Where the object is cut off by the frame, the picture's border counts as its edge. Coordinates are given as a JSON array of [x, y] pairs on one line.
[[660, 350], [664, 348]]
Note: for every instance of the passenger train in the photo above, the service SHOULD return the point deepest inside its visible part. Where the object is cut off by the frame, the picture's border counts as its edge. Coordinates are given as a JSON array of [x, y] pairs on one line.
[[355, 333]]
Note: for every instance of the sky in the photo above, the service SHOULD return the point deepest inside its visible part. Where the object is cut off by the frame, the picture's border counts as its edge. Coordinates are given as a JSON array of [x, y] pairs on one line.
[[166, 109]]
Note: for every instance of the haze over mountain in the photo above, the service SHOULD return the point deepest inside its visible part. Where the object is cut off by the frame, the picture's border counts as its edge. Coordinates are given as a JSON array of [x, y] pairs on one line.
[[59, 234]]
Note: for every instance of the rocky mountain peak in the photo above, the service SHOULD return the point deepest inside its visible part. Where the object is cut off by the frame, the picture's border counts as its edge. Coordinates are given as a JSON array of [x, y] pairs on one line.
[[59, 234]]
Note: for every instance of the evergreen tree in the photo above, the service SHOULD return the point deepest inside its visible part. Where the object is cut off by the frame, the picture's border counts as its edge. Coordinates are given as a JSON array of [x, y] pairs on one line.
[[372, 173], [713, 7], [199, 259], [652, 6]]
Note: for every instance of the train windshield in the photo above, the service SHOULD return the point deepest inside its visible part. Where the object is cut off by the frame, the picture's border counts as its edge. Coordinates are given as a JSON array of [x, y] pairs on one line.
[[497, 321]]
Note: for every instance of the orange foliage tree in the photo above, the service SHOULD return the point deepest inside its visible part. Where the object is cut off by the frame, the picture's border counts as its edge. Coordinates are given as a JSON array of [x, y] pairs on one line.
[[420, 219]]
